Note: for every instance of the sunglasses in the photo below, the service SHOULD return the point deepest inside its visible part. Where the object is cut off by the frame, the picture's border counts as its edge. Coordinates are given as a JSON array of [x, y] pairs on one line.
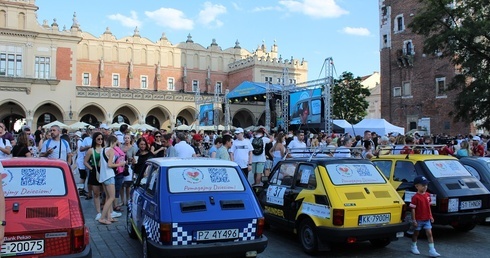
[[158, 136]]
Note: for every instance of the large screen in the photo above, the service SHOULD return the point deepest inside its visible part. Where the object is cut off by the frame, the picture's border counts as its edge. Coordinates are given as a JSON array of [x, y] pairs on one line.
[[206, 115], [305, 107]]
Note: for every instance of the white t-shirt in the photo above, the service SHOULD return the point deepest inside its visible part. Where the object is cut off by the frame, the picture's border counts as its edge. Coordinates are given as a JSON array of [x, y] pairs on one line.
[[184, 150], [241, 150], [7, 144], [261, 157], [80, 155], [61, 151]]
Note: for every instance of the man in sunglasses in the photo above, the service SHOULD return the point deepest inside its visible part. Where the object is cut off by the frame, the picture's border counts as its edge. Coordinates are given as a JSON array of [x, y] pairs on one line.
[[56, 147]]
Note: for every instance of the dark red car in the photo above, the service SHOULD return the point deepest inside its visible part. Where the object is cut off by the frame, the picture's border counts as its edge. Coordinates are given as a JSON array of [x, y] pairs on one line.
[[44, 217]]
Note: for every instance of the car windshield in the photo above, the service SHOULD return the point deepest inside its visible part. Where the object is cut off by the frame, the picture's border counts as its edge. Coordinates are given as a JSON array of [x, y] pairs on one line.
[[446, 168], [33, 181], [204, 179], [354, 174]]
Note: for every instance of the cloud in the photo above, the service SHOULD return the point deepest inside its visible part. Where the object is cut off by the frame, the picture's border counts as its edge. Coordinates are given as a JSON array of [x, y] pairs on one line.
[[236, 6], [170, 18], [209, 15], [266, 8], [315, 8], [356, 31], [126, 21]]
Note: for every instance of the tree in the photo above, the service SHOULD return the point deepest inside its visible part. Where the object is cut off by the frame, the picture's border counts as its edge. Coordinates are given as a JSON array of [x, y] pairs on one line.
[[460, 30], [349, 98]]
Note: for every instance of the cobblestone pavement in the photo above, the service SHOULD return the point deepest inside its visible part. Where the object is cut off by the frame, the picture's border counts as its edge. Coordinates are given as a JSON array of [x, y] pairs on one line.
[[109, 241]]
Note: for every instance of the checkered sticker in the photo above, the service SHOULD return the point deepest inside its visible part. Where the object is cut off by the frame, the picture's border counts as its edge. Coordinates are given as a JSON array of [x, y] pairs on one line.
[[151, 228], [248, 233], [180, 236]]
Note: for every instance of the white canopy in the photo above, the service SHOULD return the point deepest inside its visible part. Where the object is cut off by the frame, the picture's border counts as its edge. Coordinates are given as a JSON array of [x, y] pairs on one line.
[[343, 124], [143, 126], [380, 126], [183, 128], [58, 123], [80, 125]]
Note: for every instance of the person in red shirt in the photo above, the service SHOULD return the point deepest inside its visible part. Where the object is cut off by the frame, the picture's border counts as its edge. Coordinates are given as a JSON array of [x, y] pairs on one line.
[[422, 215], [476, 148], [448, 149]]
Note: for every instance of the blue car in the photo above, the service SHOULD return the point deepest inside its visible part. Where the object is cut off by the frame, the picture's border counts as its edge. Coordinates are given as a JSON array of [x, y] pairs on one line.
[[195, 207]]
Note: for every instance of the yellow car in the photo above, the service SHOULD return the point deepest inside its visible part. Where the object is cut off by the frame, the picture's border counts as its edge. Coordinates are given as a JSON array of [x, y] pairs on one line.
[[332, 200], [459, 199]]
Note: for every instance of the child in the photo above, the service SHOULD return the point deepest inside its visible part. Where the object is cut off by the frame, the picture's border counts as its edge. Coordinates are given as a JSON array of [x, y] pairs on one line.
[[422, 215]]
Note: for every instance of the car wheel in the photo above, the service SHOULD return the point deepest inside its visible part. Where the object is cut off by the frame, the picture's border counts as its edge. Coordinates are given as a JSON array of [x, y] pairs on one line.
[[146, 250], [308, 236], [464, 227], [380, 243], [129, 226]]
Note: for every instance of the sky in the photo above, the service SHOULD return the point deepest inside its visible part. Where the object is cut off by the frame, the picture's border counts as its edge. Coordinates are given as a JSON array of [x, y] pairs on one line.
[[345, 30]]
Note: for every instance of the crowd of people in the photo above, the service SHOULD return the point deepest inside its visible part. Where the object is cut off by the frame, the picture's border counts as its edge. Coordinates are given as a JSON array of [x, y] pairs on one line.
[[108, 161]]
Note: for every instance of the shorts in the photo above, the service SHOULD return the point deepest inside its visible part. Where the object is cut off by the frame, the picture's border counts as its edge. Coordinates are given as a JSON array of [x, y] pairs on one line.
[[127, 184], [109, 181], [423, 224], [83, 174], [258, 167], [92, 178], [268, 164]]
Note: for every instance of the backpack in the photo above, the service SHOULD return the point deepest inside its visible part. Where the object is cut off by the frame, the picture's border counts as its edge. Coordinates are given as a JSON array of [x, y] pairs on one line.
[[258, 145]]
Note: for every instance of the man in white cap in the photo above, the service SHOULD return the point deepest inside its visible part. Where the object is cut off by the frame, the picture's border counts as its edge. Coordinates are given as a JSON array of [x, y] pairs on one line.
[[476, 148], [241, 152], [106, 131]]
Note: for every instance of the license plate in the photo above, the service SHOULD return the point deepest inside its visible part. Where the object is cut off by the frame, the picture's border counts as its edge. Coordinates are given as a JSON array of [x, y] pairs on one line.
[[217, 234], [400, 234], [374, 219], [23, 247], [467, 205]]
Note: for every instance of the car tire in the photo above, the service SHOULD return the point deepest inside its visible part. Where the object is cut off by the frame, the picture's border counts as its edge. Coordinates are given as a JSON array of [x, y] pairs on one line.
[[308, 236], [129, 226], [145, 249], [380, 243], [464, 227]]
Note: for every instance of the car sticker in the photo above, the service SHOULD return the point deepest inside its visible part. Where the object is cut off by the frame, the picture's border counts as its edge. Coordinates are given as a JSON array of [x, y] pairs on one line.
[[33, 181], [134, 209], [204, 179], [446, 168], [275, 194], [318, 210], [344, 174], [305, 176], [410, 194]]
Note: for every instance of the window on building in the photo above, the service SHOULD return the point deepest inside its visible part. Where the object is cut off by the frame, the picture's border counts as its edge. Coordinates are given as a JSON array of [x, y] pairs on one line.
[[408, 48], [278, 80], [441, 86], [42, 67], [399, 23], [86, 79], [144, 82], [219, 87], [397, 92], [195, 85], [406, 89], [115, 80], [292, 81], [268, 79], [10, 61], [170, 83]]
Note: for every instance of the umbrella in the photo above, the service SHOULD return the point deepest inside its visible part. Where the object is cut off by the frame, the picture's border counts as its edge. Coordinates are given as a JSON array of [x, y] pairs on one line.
[[79, 125], [116, 126], [183, 128], [144, 126], [58, 123]]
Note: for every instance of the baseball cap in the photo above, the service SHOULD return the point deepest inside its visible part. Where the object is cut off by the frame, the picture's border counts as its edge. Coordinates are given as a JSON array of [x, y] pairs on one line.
[[476, 138], [78, 133], [104, 126], [420, 180], [238, 130], [260, 129], [197, 137]]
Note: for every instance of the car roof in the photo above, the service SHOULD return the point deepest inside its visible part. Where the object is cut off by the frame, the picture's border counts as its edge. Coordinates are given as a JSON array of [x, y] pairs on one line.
[[173, 162], [33, 162], [328, 160], [416, 157]]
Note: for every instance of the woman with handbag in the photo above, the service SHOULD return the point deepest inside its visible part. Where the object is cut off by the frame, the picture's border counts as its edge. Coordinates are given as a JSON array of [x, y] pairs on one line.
[[92, 163]]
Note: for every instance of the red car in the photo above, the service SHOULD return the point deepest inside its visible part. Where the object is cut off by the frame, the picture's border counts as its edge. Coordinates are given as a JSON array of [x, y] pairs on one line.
[[43, 216]]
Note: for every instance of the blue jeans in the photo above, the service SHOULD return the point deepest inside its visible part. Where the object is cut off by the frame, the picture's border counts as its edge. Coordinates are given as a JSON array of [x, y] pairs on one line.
[[119, 178]]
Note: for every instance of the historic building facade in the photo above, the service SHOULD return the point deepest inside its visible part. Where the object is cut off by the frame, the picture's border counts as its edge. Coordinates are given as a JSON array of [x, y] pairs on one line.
[[48, 74], [371, 82], [413, 84]]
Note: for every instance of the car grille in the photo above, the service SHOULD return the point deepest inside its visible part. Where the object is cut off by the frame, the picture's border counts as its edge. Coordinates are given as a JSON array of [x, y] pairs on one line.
[[382, 194], [42, 212], [355, 196]]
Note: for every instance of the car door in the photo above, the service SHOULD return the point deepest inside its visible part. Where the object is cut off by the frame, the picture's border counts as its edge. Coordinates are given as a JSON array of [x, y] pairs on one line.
[[149, 207], [304, 174], [278, 203], [138, 198]]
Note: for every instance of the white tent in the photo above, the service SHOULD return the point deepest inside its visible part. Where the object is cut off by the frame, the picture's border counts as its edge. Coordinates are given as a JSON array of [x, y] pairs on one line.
[[182, 128], [80, 125], [144, 126], [58, 123], [380, 126], [344, 125]]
